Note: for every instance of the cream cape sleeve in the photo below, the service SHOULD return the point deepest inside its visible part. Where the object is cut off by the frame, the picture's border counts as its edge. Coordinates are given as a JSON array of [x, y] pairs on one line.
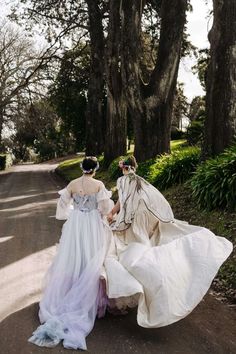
[[64, 204], [132, 198]]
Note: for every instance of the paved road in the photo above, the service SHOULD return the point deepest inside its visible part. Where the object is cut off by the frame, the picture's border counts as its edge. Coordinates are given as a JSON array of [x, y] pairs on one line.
[[28, 233]]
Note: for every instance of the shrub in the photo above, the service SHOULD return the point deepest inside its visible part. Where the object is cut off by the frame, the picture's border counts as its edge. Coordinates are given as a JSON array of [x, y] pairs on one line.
[[174, 168], [214, 182], [70, 169], [195, 131], [143, 169], [177, 134], [5, 161], [114, 169], [178, 144], [2, 162]]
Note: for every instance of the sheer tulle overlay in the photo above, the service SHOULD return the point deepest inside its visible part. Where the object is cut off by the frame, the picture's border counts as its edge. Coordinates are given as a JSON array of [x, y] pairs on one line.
[[71, 297]]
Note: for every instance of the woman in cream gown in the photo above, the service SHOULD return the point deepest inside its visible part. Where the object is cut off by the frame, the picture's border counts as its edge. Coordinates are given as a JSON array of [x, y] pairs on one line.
[[163, 265]]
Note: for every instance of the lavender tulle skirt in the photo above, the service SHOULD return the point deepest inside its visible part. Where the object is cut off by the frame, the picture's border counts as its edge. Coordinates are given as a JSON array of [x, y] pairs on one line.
[[73, 295]]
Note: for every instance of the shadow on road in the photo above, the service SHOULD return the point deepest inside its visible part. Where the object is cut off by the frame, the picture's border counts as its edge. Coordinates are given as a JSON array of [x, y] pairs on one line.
[[28, 234], [27, 214], [122, 335]]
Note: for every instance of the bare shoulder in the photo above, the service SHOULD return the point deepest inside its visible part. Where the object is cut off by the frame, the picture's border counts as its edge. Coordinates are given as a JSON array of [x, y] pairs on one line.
[[72, 184], [100, 184]]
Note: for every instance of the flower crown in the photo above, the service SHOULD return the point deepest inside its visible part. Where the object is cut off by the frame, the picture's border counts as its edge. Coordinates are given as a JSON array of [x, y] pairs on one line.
[[91, 169], [125, 164]]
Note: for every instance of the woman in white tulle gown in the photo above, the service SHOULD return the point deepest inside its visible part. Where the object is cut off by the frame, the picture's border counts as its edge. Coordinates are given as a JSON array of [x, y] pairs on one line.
[[163, 265], [73, 295]]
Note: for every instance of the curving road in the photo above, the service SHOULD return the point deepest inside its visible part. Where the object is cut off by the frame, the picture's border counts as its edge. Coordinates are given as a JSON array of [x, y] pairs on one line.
[[28, 233]]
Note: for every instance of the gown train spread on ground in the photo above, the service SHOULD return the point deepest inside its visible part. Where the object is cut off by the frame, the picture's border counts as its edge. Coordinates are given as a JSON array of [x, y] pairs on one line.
[[163, 265]]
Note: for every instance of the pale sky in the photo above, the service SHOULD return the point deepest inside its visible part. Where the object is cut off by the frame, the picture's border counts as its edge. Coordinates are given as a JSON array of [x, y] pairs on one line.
[[198, 27]]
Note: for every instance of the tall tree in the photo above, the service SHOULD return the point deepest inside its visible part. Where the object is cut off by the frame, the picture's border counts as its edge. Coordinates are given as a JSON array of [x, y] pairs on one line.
[[95, 114], [220, 127], [200, 68], [20, 72], [39, 129], [196, 107], [180, 107], [78, 19], [150, 104], [116, 124], [146, 90], [68, 94]]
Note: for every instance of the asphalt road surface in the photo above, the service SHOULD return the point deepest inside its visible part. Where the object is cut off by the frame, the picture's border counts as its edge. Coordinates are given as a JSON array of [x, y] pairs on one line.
[[28, 234]]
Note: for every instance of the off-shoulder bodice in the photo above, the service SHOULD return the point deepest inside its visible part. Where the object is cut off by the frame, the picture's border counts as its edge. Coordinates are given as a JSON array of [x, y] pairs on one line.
[[97, 201]]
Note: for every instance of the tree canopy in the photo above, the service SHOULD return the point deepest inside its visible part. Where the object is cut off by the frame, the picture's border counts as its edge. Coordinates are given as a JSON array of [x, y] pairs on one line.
[[114, 73]]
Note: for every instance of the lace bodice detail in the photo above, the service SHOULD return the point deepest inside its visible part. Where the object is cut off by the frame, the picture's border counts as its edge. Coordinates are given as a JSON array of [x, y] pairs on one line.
[[85, 203]]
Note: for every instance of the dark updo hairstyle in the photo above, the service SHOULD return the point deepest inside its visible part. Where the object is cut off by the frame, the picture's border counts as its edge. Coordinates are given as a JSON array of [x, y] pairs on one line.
[[130, 162], [89, 164]]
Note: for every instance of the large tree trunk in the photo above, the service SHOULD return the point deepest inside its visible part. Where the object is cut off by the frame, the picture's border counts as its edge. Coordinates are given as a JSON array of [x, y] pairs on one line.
[[95, 114], [116, 121], [1, 121], [151, 104], [116, 130], [1, 127], [220, 126]]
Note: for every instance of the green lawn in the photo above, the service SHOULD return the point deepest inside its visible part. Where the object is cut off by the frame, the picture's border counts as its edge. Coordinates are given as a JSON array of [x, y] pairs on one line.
[[70, 169], [177, 144]]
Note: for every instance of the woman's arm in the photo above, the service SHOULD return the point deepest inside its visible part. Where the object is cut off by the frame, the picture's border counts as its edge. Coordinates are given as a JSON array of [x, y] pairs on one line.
[[116, 208], [113, 211]]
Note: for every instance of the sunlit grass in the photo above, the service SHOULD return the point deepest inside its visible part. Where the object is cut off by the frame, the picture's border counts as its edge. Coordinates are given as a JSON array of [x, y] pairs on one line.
[[177, 144], [70, 169], [174, 145]]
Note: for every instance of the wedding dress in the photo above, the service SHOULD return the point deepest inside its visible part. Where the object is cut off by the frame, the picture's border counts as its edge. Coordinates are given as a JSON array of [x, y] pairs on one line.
[[72, 296], [163, 265]]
